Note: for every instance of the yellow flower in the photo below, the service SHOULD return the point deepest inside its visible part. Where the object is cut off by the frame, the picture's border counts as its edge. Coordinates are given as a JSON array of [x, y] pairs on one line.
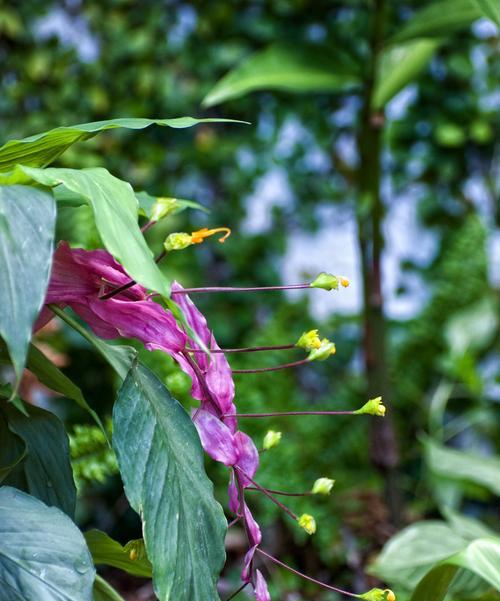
[[309, 340], [322, 486], [372, 407], [271, 440], [307, 522], [325, 349], [181, 240]]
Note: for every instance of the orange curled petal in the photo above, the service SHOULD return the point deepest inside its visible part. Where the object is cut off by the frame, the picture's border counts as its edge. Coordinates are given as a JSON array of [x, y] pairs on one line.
[[198, 236]]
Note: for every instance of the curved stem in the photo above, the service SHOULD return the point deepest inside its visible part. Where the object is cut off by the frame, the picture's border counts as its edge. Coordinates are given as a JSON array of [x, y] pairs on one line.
[[206, 289], [262, 370], [281, 492], [249, 349], [288, 413]]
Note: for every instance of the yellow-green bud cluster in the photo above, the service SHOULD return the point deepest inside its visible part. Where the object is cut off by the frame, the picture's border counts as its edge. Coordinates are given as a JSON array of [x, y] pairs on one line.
[[135, 549], [322, 486], [326, 348], [378, 594], [307, 522], [327, 281], [372, 407], [163, 207], [309, 340], [177, 241], [271, 440]]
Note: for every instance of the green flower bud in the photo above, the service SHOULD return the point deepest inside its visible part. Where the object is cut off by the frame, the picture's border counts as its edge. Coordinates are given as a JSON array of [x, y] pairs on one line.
[[309, 340], [307, 522], [327, 281], [378, 594], [322, 353], [163, 207], [372, 407], [322, 486], [135, 549], [271, 440], [178, 241]]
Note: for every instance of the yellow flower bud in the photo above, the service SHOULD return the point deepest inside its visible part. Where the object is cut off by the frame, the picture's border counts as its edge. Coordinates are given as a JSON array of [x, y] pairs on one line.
[[326, 281], [271, 440], [326, 348], [344, 281], [177, 241], [309, 340], [372, 407], [378, 594], [307, 522], [135, 549], [322, 486], [163, 207], [133, 554]]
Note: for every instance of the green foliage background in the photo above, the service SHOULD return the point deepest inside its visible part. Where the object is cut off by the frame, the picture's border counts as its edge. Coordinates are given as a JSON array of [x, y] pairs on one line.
[[153, 59]]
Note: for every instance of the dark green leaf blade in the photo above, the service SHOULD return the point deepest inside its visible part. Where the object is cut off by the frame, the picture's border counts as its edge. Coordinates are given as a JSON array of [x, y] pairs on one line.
[[43, 555], [27, 222], [12, 449], [106, 551], [41, 149], [161, 462], [289, 67], [46, 471]]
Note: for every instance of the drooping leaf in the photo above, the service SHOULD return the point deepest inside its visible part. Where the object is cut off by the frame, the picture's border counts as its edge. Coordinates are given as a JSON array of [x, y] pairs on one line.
[[43, 555], [106, 551], [12, 449], [439, 19], [27, 221], [170, 206], [400, 64], [490, 9], [50, 375], [462, 465], [161, 463], [482, 557], [45, 472], [115, 210], [41, 149], [411, 553], [103, 591], [289, 67]]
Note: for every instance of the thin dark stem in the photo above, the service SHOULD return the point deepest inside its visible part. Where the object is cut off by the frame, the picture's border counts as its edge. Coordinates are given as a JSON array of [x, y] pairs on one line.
[[147, 226], [233, 522], [288, 413], [131, 283], [262, 370], [250, 349], [268, 495], [281, 492], [236, 592], [236, 289], [297, 573]]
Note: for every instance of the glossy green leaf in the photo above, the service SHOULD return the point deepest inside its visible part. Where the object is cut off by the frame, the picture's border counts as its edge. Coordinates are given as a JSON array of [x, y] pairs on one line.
[[490, 9], [288, 67], [43, 555], [115, 210], [41, 149], [46, 471], [439, 19], [50, 375], [400, 65], [103, 591], [462, 465], [106, 551], [482, 557], [120, 357], [161, 463], [27, 221]]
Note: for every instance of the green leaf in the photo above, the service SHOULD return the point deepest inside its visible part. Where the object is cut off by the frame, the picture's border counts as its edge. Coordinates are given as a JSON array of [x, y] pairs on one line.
[[290, 67], [466, 526], [400, 65], [43, 555], [106, 551], [46, 471], [490, 9], [439, 19], [171, 206], [115, 210], [50, 375], [461, 465], [412, 552], [41, 149], [103, 591], [27, 222], [12, 449], [161, 463], [482, 557]]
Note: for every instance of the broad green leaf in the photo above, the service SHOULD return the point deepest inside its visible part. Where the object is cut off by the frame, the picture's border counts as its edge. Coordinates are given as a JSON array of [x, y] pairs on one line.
[[103, 591], [12, 448], [27, 221], [461, 465], [472, 328], [106, 551], [46, 471], [115, 210], [466, 526], [490, 9], [439, 19], [482, 557], [170, 206], [400, 65], [50, 375], [412, 552], [41, 149], [161, 463], [290, 67], [43, 555]]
